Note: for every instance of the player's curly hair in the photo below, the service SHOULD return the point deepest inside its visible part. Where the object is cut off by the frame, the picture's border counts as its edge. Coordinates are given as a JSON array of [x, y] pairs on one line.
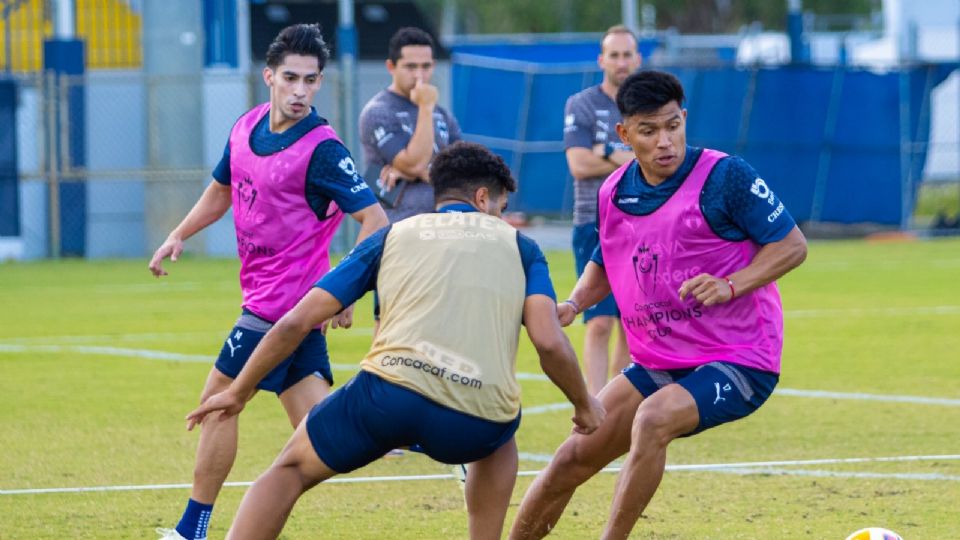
[[301, 39], [462, 168], [646, 91]]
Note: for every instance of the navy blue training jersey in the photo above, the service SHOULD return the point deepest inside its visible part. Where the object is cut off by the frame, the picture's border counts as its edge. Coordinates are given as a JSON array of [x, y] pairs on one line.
[[331, 176]]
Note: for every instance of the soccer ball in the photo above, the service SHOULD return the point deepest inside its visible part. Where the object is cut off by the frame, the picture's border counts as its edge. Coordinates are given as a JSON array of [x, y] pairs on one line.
[[874, 533]]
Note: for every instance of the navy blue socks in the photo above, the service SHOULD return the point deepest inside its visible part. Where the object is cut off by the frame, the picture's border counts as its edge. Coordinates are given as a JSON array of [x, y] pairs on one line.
[[196, 518]]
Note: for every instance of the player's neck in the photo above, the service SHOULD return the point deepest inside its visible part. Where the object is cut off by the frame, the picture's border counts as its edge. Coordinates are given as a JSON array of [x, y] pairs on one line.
[[278, 123], [396, 90], [609, 89], [277, 129]]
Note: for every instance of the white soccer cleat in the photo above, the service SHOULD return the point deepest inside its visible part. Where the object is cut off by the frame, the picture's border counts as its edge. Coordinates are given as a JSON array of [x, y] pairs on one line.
[[169, 534]]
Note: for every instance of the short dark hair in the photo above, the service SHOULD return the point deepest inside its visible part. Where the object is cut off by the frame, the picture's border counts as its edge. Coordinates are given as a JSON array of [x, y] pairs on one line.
[[302, 39], [646, 91], [462, 168], [408, 35]]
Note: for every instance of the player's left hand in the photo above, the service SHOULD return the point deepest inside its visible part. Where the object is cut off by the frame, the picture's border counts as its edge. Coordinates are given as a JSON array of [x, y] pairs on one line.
[[344, 319], [226, 401], [707, 289]]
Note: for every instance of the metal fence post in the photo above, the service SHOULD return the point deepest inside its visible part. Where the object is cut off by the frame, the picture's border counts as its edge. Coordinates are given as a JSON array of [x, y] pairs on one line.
[[52, 161]]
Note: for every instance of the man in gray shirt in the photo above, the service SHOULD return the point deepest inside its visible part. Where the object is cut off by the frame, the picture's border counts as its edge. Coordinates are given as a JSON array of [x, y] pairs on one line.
[[402, 127], [593, 151]]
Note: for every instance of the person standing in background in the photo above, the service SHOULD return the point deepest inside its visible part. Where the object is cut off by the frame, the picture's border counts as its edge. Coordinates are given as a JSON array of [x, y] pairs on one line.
[[594, 151], [402, 127]]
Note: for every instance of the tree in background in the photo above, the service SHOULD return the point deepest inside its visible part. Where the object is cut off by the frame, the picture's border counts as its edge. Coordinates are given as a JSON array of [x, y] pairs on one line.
[[686, 16]]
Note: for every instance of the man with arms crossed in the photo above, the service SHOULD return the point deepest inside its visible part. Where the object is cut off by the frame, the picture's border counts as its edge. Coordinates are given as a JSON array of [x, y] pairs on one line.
[[594, 151], [691, 241], [289, 180], [402, 127], [455, 286]]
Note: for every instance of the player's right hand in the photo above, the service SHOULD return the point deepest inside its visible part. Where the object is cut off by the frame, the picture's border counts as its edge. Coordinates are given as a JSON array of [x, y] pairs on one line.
[[171, 247], [226, 401], [424, 94], [587, 419], [566, 313]]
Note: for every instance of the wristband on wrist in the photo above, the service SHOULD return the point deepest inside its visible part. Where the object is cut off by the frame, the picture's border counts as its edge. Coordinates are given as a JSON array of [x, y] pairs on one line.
[[607, 150], [733, 291], [576, 308]]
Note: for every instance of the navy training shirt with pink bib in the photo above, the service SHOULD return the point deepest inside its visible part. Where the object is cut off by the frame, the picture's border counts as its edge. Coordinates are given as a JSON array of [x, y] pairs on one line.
[[282, 237], [648, 252]]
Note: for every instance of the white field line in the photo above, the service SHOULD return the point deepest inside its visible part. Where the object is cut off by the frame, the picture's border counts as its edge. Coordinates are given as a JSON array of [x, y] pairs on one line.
[[110, 338], [759, 467], [365, 330], [147, 354], [844, 474]]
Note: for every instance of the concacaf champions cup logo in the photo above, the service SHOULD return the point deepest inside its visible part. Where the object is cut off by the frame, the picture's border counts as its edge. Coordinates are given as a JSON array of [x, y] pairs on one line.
[[645, 262]]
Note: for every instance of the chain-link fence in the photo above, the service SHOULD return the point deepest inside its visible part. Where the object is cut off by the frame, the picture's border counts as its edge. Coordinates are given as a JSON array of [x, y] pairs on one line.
[[111, 161]]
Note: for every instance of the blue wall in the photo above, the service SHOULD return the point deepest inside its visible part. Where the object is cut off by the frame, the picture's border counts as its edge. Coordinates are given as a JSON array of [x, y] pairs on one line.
[[827, 139], [9, 183]]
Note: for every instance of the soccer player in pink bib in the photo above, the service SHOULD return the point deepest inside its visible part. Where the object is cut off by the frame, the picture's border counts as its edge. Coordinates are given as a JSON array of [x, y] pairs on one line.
[[691, 241], [290, 181]]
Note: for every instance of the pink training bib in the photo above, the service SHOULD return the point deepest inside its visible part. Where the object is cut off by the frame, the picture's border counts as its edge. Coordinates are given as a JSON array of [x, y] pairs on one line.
[[647, 258], [283, 246]]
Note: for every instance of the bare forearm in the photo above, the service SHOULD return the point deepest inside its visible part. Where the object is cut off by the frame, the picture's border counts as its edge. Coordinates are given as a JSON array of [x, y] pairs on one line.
[[370, 222], [279, 343], [770, 263], [413, 160], [561, 367], [585, 163], [212, 205], [591, 288]]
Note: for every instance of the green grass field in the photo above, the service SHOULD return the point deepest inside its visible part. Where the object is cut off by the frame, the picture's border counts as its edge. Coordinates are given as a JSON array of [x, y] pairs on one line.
[[99, 362]]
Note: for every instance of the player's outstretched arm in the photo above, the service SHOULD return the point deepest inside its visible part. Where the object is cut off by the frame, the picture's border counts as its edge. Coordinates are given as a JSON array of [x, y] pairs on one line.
[[211, 206], [371, 220], [280, 342], [591, 288], [773, 261], [559, 361]]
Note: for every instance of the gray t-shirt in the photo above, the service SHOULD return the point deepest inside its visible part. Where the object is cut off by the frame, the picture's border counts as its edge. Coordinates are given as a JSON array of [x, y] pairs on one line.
[[589, 118], [387, 123]]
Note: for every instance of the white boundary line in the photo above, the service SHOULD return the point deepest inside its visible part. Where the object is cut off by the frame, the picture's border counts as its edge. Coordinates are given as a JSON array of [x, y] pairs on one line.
[[148, 354], [947, 309], [844, 474], [756, 467]]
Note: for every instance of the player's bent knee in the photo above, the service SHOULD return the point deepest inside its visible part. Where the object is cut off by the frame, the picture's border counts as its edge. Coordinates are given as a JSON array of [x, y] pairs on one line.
[[653, 425], [569, 468], [600, 325]]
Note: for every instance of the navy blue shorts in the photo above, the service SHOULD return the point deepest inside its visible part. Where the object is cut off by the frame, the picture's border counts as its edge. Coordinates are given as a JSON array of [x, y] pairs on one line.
[[310, 358], [585, 240], [724, 392], [367, 417]]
